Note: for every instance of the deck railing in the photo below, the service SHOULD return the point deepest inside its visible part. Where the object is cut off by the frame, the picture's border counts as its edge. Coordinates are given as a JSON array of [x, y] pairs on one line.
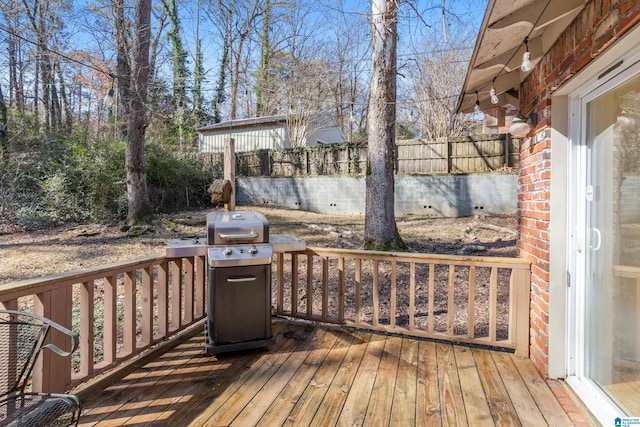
[[122, 309], [119, 310], [465, 299]]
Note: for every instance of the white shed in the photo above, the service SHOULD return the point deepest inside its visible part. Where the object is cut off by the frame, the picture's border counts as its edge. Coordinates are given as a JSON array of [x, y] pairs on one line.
[[269, 132]]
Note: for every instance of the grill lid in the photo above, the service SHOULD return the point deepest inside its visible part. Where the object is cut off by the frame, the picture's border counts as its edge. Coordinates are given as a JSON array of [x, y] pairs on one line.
[[236, 227]]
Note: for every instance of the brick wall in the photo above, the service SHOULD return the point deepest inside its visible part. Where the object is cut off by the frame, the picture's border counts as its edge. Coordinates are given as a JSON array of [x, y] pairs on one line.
[[596, 28]]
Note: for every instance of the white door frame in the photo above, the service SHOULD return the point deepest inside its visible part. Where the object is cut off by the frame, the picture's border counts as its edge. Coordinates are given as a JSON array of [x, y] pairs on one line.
[[577, 237]]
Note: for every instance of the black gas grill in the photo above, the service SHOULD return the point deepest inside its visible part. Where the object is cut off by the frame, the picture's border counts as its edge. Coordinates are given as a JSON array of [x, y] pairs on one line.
[[239, 282]]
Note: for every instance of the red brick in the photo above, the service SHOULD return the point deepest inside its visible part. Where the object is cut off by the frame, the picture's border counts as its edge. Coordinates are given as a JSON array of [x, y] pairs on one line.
[[627, 5], [627, 23]]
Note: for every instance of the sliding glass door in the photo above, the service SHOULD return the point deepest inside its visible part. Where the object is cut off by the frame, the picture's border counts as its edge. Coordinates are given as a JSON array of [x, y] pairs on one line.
[[608, 327]]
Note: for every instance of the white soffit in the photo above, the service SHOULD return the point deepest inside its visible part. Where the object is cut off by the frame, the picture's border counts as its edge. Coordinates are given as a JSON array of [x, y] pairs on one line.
[[500, 45]]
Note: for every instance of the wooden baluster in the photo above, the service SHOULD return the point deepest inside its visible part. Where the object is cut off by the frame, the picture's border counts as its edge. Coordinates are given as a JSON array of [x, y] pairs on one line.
[[392, 311], [280, 284], [341, 289], [376, 293], [87, 309], [309, 285], [163, 299], [129, 323], [294, 285], [176, 294], [432, 274], [200, 286], [451, 308], [147, 307], [325, 288], [110, 320], [358, 277], [493, 303], [188, 290], [471, 326], [412, 296]]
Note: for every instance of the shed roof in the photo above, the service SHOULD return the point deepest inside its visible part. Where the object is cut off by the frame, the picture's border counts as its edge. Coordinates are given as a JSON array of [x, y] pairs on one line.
[[500, 45], [245, 123]]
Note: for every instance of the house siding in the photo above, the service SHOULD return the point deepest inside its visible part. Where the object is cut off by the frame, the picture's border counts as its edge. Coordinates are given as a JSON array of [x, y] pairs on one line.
[[255, 138], [595, 29], [268, 133]]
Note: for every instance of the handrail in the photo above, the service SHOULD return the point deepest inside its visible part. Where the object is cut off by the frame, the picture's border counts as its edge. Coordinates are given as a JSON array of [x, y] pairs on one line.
[[122, 309], [424, 296], [119, 309]]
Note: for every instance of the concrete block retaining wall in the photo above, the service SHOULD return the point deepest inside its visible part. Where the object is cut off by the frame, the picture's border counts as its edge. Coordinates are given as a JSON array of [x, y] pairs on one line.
[[430, 195]]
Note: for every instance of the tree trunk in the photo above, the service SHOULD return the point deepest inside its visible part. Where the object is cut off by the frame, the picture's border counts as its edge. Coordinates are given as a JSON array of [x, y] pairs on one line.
[[123, 65], [380, 224], [4, 136], [137, 194]]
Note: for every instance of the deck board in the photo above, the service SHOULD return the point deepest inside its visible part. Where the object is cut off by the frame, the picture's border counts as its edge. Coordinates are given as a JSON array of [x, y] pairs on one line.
[[403, 410], [331, 406], [381, 400], [319, 375], [451, 399], [305, 394], [473, 393], [429, 410], [355, 407]]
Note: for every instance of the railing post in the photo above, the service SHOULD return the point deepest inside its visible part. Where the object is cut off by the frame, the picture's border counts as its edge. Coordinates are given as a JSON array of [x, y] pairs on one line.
[[520, 280], [52, 373]]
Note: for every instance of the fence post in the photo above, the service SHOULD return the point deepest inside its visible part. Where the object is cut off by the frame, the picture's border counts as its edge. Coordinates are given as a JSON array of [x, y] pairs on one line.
[[230, 171]]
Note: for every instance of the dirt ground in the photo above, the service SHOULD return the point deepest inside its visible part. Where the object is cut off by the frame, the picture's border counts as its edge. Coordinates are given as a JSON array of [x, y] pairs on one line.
[[31, 254]]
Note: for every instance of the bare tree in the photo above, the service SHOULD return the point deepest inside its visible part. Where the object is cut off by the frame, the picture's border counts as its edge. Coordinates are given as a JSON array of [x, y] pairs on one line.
[[380, 224], [436, 73], [236, 21], [11, 15], [346, 53]]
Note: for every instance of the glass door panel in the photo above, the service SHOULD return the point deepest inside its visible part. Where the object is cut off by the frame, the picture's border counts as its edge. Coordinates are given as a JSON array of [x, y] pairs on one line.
[[612, 311]]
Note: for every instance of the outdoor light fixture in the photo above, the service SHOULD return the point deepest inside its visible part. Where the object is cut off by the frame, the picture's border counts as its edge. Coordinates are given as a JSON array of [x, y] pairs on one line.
[[477, 107], [526, 57], [492, 94], [519, 127]]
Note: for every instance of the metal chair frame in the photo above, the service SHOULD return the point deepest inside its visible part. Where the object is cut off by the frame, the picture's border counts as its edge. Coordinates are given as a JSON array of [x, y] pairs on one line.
[[23, 337]]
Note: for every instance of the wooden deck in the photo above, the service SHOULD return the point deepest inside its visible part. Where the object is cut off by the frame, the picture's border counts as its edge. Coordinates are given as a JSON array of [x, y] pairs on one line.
[[318, 375]]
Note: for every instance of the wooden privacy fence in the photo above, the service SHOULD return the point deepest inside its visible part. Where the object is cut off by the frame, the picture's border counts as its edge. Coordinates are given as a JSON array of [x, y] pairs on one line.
[[454, 155], [464, 299], [119, 311]]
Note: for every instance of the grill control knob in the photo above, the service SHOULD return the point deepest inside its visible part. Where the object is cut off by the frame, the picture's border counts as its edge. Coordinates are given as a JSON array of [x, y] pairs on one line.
[[253, 250], [227, 251]]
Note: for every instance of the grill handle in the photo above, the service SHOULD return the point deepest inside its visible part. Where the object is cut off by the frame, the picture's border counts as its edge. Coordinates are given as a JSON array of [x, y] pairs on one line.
[[249, 235], [241, 279]]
